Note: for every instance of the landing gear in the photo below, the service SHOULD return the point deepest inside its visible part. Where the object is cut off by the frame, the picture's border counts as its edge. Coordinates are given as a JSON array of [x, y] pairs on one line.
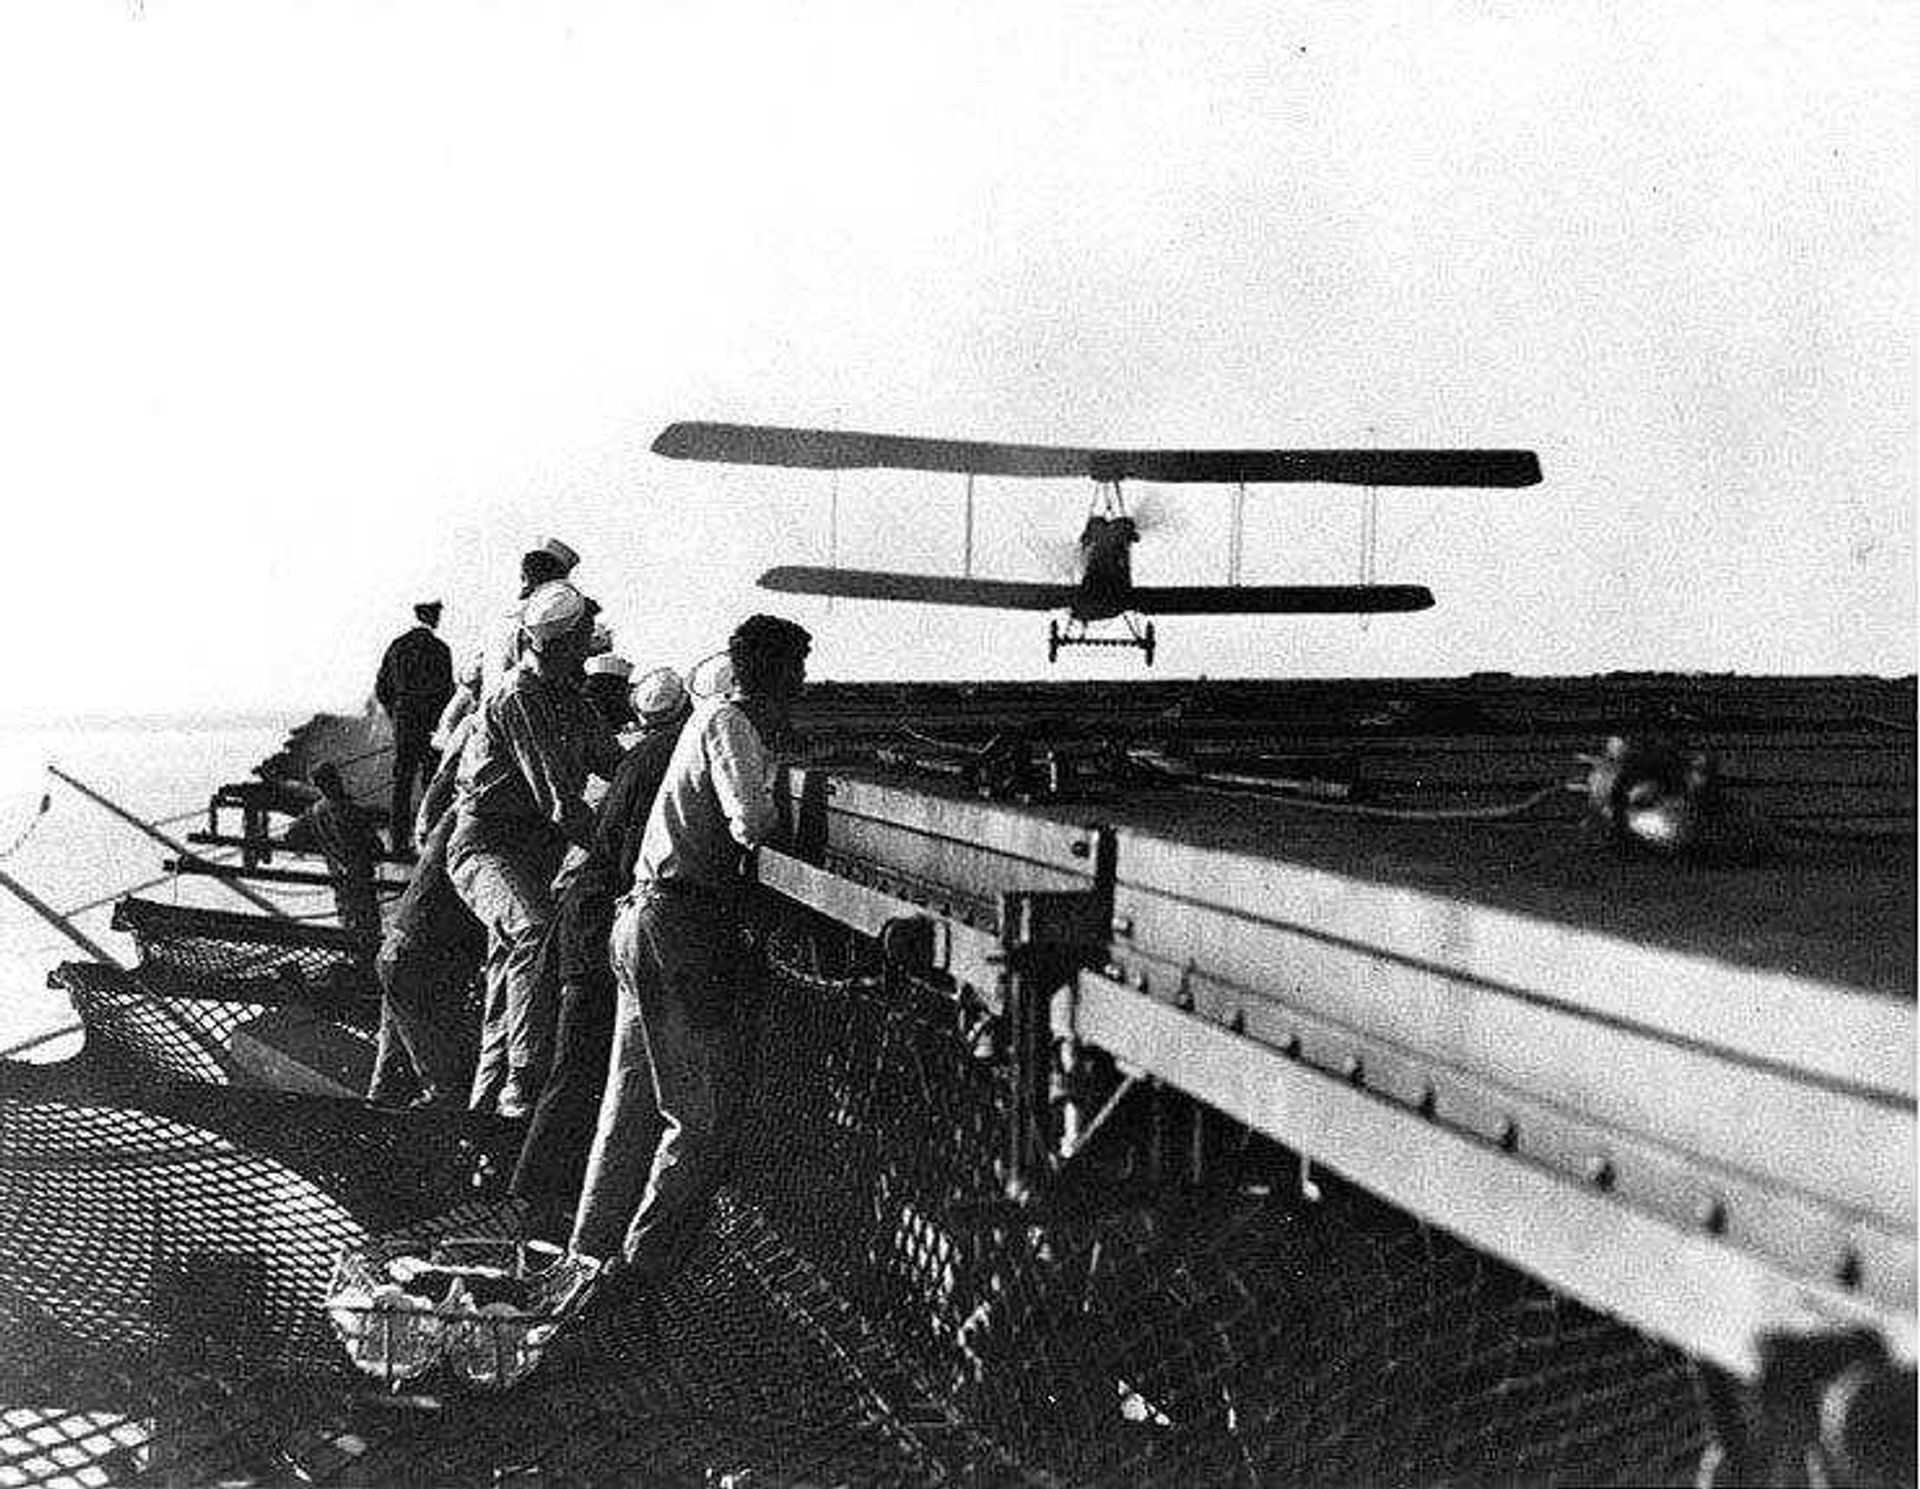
[[1074, 633]]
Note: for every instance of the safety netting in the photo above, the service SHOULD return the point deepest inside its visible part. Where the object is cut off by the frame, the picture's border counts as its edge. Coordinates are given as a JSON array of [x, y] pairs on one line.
[[229, 946], [863, 1308], [220, 997]]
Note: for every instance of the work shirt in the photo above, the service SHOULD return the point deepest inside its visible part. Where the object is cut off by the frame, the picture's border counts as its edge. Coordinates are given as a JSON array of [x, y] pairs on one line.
[[605, 870], [715, 803], [459, 708], [501, 653], [525, 765], [437, 800]]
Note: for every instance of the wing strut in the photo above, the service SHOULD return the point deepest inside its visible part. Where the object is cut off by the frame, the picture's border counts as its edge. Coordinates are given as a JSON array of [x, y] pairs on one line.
[[833, 529], [966, 558], [1237, 538]]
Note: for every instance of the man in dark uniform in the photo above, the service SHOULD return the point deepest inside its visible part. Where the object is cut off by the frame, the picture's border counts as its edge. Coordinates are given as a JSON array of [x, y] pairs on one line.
[[415, 682]]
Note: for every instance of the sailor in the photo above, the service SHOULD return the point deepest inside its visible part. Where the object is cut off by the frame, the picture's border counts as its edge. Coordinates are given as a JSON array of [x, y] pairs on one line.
[[681, 967], [340, 830], [414, 686], [608, 691], [466, 694], [555, 1152], [552, 560], [519, 803], [428, 958]]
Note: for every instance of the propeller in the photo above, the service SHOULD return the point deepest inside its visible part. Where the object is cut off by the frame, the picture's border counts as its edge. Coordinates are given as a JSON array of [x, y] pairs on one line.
[[1058, 557], [1153, 513]]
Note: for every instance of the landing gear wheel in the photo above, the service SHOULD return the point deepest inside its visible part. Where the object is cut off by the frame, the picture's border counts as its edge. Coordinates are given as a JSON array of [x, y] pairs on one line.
[[1146, 643], [1053, 641]]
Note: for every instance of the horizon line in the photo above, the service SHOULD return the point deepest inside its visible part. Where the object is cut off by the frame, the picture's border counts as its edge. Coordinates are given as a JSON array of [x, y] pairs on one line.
[[288, 717]]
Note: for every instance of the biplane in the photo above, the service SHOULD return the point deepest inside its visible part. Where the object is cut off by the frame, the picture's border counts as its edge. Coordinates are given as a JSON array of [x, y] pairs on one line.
[[1103, 588]]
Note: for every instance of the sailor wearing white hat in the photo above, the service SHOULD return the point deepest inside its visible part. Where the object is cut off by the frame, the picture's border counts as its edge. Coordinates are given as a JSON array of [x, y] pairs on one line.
[[551, 560], [553, 1158], [606, 688], [606, 664], [660, 697], [673, 1077], [519, 803]]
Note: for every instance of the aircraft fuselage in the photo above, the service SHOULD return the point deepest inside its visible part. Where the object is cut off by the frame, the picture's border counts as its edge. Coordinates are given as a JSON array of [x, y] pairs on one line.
[[1106, 568]]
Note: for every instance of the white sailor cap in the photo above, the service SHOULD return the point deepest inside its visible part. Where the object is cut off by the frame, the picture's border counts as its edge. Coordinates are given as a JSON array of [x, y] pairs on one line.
[[608, 665], [711, 676], [552, 610], [659, 695], [566, 556]]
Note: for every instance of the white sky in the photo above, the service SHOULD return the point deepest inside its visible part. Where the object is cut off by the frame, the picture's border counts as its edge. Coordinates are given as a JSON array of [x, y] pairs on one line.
[[308, 311]]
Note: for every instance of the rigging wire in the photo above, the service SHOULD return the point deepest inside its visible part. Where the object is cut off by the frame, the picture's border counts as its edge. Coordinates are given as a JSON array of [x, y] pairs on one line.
[[26, 833]]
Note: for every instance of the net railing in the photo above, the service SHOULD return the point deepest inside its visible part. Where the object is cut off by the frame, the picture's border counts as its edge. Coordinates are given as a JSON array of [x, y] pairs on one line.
[[227, 945], [862, 1308], [140, 1024], [210, 981]]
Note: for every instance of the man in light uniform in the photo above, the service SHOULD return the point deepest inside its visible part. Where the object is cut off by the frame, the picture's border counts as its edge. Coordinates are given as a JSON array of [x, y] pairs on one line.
[[552, 560], [680, 964], [519, 803]]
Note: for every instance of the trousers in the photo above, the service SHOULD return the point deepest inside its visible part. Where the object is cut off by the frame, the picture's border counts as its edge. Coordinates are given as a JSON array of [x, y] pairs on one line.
[[414, 759], [508, 894], [667, 1117], [422, 1018], [553, 1159]]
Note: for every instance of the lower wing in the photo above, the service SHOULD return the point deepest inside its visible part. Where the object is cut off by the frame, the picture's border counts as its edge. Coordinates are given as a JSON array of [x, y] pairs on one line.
[[926, 589], [1279, 599]]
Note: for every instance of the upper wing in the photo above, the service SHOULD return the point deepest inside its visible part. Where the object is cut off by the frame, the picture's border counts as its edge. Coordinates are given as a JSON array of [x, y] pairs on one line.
[[833, 449], [1279, 599], [931, 589]]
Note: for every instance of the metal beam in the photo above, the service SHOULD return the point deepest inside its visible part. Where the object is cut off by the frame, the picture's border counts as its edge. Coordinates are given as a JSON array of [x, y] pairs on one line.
[[1835, 1033], [967, 955], [189, 863], [58, 921], [275, 845], [1701, 1293]]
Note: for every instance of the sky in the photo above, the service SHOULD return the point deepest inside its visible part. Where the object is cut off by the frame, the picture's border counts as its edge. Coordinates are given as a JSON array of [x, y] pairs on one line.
[[309, 311]]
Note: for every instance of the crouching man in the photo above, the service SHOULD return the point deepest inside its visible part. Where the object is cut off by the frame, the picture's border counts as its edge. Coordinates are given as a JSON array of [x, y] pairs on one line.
[[681, 966]]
